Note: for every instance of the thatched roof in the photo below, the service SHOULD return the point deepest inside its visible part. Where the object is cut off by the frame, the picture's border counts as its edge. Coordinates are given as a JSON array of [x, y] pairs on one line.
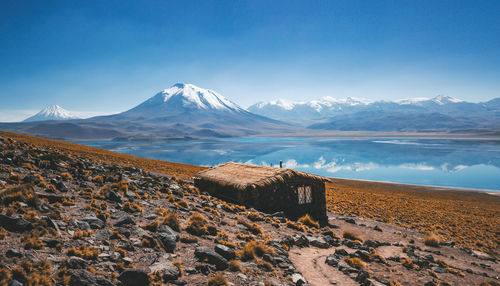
[[241, 176]]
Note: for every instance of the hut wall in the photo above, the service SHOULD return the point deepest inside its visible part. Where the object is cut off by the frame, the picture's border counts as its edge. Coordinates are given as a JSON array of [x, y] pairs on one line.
[[280, 196]]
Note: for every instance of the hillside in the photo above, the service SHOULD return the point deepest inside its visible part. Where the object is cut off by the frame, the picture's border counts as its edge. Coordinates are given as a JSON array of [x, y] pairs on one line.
[[76, 215]]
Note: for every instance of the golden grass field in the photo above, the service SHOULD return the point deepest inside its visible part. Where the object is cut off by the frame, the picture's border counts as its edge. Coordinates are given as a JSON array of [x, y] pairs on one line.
[[471, 219]]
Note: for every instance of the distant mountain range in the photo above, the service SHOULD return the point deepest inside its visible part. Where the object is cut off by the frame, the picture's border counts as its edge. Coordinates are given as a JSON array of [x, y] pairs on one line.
[[51, 112], [188, 111], [182, 111], [438, 114]]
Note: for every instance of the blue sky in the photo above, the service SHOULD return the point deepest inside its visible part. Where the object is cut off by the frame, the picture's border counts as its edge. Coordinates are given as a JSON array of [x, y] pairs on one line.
[[108, 56]]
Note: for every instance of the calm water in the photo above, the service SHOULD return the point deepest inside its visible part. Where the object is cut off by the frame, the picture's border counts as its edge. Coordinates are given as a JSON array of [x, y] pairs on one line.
[[464, 163]]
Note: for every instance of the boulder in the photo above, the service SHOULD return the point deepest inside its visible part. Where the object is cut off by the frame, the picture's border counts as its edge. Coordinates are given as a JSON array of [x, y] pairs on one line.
[[212, 257]]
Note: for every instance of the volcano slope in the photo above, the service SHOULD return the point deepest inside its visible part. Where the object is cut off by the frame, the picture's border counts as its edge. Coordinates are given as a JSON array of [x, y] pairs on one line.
[[75, 215]]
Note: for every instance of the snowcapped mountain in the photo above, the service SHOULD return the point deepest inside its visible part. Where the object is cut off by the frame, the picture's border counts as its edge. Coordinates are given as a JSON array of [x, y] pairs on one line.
[[51, 112], [182, 98], [185, 110]]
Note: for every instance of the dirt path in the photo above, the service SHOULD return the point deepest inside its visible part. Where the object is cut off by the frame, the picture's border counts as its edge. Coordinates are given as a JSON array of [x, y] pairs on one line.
[[310, 262]]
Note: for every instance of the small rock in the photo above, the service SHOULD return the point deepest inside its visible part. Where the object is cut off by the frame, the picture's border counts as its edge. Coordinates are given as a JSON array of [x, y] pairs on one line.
[[114, 196], [125, 219], [211, 256], [94, 222], [300, 240], [13, 253], [167, 269], [82, 277], [51, 242], [134, 277], [15, 224], [350, 220], [341, 252], [76, 263], [225, 251], [332, 260], [167, 240], [298, 280], [318, 242]]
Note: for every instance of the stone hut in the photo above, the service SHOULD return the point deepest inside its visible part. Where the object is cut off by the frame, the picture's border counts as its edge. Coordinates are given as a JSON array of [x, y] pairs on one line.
[[268, 189]]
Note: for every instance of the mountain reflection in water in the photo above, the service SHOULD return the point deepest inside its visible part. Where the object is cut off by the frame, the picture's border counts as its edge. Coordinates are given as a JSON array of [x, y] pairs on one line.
[[464, 163]]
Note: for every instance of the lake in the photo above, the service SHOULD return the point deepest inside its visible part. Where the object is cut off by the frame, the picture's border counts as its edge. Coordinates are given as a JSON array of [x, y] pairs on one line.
[[463, 163]]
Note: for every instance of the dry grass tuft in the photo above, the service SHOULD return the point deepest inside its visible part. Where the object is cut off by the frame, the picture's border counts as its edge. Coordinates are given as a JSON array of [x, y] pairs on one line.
[[234, 266], [394, 283], [197, 225], [252, 227], [432, 240], [218, 280], [19, 193], [84, 252], [355, 262], [253, 249], [171, 219], [296, 226], [307, 220], [66, 176], [32, 241], [351, 236], [254, 216]]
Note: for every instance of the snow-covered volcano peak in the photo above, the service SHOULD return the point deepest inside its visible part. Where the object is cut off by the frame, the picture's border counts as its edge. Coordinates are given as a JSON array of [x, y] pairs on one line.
[[52, 112], [182, 97]]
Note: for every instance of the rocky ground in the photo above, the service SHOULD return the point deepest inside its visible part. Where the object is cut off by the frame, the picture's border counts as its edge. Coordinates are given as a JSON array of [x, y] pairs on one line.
[[69, 219]]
